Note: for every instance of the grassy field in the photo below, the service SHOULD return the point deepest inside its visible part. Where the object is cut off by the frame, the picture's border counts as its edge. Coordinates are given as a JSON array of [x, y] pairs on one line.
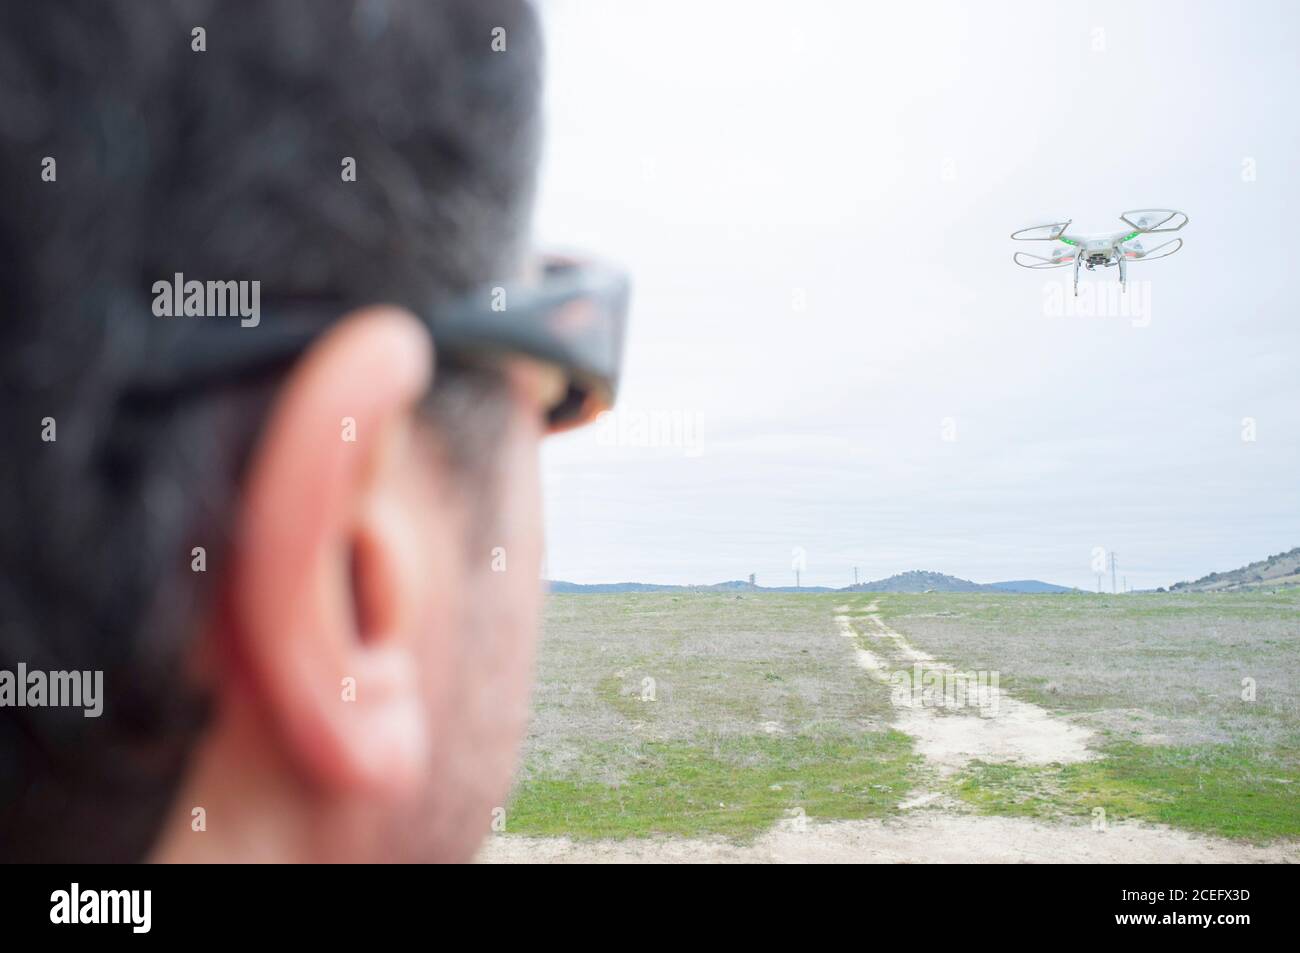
[[1161, 679], [717, 714], [700, 714]]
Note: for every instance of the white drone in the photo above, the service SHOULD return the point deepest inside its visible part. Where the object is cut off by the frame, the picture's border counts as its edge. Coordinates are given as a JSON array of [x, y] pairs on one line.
[[1112, 248]]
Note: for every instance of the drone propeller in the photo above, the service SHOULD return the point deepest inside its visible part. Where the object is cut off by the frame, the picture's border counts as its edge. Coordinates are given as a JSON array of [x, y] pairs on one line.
[[1059, 259], [1151, 220], [1137, 253], [1045, 233]]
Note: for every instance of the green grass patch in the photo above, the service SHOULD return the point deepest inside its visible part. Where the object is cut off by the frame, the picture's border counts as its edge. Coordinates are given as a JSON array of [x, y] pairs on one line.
[[734, 787], [1229, 790], [625, 701]]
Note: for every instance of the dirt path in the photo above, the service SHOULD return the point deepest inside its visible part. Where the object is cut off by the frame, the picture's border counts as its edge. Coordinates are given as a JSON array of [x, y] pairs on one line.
[[917, 838], [979, 722], [995, 728]]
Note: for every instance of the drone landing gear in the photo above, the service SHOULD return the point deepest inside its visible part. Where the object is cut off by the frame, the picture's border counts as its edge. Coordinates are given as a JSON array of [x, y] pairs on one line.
[[1078, 260], [1123, 275]]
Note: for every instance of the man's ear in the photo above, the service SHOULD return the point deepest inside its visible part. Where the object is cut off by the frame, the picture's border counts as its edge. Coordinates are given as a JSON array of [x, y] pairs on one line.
[[320, 586]]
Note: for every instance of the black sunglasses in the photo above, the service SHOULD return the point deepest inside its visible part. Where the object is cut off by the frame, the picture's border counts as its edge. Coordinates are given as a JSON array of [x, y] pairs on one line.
[[573, 319]]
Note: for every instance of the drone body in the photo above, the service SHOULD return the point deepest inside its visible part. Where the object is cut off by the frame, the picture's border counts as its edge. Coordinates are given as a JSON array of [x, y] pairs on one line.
[[1111, 248]]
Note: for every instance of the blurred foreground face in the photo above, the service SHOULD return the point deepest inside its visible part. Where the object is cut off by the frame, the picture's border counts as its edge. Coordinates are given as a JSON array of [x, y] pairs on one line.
[[478, 704]]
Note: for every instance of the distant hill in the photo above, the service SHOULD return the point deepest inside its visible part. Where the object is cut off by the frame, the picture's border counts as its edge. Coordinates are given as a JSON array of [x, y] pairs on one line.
[[1028, 586], [1274, 572], [739, 585], [918, 581], [914, 581], [601, 588], [608, 588]]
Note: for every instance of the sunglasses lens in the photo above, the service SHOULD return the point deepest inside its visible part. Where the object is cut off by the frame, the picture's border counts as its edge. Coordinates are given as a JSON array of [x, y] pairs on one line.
[[579, 407]]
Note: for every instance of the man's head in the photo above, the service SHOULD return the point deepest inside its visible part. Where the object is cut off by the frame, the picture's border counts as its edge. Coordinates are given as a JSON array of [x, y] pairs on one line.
[[312, 591]]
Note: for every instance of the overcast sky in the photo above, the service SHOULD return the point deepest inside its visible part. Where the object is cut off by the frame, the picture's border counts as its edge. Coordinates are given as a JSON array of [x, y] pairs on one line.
[[828, 331]]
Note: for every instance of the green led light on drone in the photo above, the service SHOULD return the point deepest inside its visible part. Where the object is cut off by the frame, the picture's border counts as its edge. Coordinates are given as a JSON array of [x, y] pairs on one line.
[[1130, 235], [1068, 242]]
